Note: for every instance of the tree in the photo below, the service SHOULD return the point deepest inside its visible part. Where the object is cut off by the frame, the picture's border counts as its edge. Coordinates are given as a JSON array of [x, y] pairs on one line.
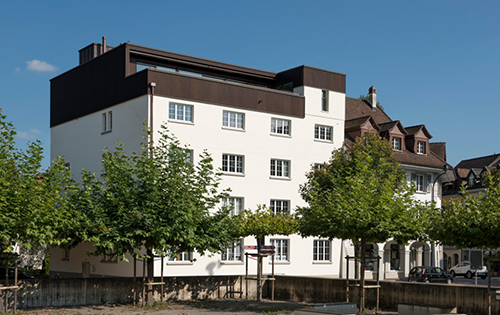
[[362, 195], [32, 208], [469, 221], [260, 223], [156, 200]]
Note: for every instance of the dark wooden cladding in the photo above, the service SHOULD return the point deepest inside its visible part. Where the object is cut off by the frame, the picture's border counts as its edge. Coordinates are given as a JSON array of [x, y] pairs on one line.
[[111, 78], [324, 79], [93, 86], [228, 94]]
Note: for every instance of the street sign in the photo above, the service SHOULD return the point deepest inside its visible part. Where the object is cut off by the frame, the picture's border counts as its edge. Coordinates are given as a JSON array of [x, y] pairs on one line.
[[267, 251], [267, 247], [250, 247]]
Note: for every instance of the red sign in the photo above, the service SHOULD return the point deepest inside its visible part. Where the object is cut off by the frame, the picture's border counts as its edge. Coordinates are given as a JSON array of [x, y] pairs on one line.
[[268, 247], [267, 251], [250, 246]]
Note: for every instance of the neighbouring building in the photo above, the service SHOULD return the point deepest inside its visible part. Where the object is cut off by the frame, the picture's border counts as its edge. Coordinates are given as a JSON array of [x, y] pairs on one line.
[[469, 175], [264, 130]]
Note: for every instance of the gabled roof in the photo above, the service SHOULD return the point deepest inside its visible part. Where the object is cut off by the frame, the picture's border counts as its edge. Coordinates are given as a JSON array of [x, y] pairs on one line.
[[414, 129], [439, 148], [390, 125], [358, 122], [480, 162], [359, 111], [355, 108]]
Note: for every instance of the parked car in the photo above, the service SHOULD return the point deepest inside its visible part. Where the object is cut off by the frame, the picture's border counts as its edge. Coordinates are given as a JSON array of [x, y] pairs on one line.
[[20, 275], [429, 274], [464, 269]]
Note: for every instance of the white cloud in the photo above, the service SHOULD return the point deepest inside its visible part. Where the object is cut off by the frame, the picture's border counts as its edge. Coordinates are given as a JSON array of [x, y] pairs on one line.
[[32, 134], [41, 66]]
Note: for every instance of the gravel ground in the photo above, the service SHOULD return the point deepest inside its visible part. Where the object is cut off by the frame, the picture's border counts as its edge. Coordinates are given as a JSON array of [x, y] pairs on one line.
[[222, 307]]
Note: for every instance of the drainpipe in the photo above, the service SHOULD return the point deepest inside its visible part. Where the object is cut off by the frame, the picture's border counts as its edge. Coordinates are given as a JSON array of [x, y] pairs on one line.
[[152, 85], [433, 245]]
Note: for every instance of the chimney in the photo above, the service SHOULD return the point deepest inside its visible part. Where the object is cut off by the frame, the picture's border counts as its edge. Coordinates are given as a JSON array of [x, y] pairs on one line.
[[104, 45], [372, 97]]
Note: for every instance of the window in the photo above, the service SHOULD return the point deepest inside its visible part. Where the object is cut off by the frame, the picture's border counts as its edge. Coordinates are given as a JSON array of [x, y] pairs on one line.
[[184, 256], [420, 147], [107, 122], [324, 100], [280, 168], [280, 206], [396, 144], [319, 166], [321, 250], [235, 203], [280, 126], [233, 253], [422, 183], [418, 181], [394, 257], [65, 254], [233, 163], [280, 249], [323, 133], [233, 120], [180, 112], [109, 256], [472, 180]]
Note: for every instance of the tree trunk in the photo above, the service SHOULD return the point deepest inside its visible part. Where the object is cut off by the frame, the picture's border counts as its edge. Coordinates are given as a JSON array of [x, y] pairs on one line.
[[362, 255], [489, 283], [150, 263], [260, 241], [357, 253]]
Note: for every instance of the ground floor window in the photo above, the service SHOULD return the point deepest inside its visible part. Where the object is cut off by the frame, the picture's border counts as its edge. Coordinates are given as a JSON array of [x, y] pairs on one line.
[[281, 249], [321, 250], [233, 253], [395, 261]]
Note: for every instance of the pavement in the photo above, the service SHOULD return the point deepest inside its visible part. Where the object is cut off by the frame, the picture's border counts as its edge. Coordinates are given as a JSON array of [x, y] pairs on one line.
[[220, 307]]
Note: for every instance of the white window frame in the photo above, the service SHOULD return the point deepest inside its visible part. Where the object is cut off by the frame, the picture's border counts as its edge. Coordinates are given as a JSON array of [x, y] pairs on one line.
[[323, 133], [279, 168], [422, 182], [233, 253], [279, 206], [396, 143], [233, 164], [233, 120], [281, 127], [325, 106], [235, 203], [421, 147], [282, 249], [322, 250], [471, 180], [180, 112], [186, 257], [107, 122]]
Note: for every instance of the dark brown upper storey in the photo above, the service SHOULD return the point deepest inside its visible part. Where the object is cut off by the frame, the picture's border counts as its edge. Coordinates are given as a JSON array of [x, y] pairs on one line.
[[360, 112], [104, 80]]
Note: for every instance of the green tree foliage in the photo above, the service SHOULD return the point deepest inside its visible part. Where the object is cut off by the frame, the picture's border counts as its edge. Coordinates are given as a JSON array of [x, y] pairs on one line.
[[263, 222], [155, 200], [32, 208], [469, 221], [362, 195]]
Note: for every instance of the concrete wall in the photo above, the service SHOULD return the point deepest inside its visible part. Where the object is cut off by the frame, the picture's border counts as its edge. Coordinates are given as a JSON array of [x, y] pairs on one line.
[[467, 299], [97, 291]]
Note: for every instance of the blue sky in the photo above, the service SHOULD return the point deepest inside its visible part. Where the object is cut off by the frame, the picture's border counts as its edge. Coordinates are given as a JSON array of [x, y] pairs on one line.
[[433, 62]]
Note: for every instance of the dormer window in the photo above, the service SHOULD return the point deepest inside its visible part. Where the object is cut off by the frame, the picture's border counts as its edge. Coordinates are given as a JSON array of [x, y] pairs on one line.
[[472, 180], [396, 144], [421, 147]]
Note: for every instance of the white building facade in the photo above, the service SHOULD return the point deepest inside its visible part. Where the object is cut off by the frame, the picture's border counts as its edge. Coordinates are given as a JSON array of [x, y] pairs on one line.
[[264, 130]]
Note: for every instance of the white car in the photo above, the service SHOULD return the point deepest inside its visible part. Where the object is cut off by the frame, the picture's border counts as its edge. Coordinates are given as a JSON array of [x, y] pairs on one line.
[[464, 269]]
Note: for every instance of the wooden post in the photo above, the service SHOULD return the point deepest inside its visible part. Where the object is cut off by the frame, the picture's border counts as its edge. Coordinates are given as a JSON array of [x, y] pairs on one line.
[[272, 282], [489, 283], [347, 279], [15, 289], [162, 261], [6, 284], [143, 281], [246, 276], [135, 280], [378, 283]]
